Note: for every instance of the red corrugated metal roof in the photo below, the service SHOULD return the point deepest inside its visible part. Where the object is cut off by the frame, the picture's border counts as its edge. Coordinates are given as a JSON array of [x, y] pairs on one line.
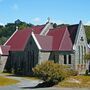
[[45, 42], [54, 40], [5, 49], [66, 43], [20, 38], [57, 34], [60, 40]]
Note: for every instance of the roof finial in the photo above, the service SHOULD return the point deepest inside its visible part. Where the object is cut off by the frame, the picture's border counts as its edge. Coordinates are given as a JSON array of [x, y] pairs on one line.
[[16, 28], [48, 19], [32, 30]]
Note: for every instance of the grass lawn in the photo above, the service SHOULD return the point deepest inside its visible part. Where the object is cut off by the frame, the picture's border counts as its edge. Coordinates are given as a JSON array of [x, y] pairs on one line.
[[6, 81], [76, 81]]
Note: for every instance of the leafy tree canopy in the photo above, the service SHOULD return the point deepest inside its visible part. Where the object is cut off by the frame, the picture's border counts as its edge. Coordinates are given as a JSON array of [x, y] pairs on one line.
[[7, 30], [87, 56]]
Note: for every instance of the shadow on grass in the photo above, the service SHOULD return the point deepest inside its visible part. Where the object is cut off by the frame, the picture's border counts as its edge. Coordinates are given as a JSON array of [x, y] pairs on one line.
[[41, 85]]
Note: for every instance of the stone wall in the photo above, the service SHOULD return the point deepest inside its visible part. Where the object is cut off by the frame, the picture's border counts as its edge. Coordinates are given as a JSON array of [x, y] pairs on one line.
[[43, 56], [3, 60], [80, 47]]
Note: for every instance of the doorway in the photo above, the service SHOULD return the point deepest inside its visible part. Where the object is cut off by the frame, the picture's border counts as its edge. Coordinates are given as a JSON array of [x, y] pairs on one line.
[[89, 66]]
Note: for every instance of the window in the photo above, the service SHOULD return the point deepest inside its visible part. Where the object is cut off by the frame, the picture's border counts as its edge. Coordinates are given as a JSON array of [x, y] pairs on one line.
[[82, 53], [79, 53], [82, 39], [84, 49], [65, 59], [69, 59], [54, 58]]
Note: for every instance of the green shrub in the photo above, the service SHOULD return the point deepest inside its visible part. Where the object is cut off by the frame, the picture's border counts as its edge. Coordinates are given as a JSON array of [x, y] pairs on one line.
[[50, 71], [72, 72]]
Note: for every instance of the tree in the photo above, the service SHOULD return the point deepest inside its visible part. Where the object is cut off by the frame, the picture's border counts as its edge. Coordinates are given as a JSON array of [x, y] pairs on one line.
[[2, 40], [87, 56], [54, 25], [7, 30], [22, 24], [87, 31]]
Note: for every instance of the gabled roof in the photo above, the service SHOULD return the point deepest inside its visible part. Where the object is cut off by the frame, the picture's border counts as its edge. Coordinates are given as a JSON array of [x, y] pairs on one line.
[[59, 35], [4, 50], [45, 42], [20, 38], [73, 31], [55, 40]]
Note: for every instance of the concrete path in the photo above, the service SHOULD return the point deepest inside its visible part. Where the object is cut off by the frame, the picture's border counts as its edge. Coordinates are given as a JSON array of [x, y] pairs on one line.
[[27, 84]]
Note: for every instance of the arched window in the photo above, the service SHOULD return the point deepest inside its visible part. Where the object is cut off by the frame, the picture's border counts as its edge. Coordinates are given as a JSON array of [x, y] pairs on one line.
[[79, 53], [82, 39], [82, 54], [65, 59], [69, 59], [84, 49]]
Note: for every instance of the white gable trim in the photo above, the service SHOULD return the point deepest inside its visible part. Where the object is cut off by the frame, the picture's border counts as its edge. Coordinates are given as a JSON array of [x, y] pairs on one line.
[[46, 29], [10, 37], [37, 43], [1, 51], [74, 47]]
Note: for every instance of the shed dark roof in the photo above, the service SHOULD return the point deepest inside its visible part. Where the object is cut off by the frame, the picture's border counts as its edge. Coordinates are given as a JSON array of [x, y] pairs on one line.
[[73, 31]]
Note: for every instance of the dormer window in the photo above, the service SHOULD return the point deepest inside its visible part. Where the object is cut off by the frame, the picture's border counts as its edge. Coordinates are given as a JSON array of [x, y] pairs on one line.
[[82, 39]]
